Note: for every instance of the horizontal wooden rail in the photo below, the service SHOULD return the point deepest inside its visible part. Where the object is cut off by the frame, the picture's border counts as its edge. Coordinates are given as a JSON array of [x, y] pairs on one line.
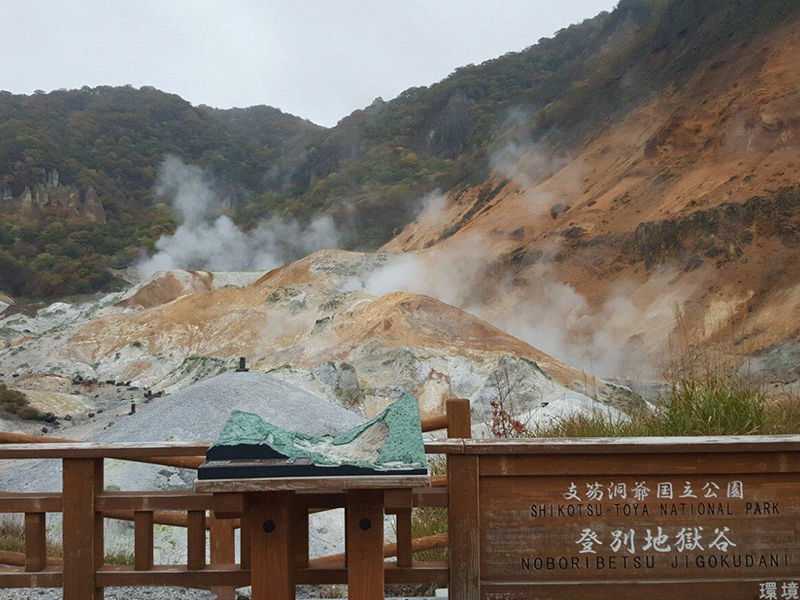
[[169, 508], [584, 446], [225, 575], [432, 542], [17, 577], [150, 501], [435, 423], [188, 462], [232, 575], [160, 517], [17, 559], [30, 502], [128, 451], [35, 502]]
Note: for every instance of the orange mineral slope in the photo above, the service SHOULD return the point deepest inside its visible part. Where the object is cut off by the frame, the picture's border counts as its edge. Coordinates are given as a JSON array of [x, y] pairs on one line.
[[301, 318], [700, 187]]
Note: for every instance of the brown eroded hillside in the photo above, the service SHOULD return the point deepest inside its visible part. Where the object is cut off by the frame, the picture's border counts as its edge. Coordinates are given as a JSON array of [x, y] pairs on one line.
[[698, 190], [309, 324]]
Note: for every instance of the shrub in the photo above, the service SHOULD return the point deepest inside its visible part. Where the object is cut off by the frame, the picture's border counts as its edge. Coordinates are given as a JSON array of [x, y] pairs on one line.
[[15, 403]]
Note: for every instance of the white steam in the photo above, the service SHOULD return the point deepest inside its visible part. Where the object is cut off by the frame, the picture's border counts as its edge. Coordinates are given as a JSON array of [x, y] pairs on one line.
[[520, 159], [623, 337], [433, 207], [208, 240]]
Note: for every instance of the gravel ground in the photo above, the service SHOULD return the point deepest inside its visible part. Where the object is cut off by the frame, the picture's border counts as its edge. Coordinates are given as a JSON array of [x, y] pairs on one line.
[[114, 594], [130, 594]]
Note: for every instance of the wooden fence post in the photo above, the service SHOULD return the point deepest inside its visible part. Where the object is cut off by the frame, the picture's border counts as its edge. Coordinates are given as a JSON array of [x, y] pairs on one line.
[[462, 517], [223, 551], [459, 419], [405, 554], [364, 526], [35, 541], [82, 528], [300, 536], [272, 560], [143, 540], [462, 527], [196, 540]]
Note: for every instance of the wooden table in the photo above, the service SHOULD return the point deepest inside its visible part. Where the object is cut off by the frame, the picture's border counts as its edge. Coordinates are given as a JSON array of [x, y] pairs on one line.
[[271, 514]]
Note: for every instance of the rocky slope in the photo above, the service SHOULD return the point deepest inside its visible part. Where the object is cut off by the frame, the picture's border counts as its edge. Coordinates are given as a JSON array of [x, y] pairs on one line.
[[318, 345], [696, 190], [311, 323]]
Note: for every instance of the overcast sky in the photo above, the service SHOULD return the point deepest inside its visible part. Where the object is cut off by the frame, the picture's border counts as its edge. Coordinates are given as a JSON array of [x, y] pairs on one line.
[[320, 59]]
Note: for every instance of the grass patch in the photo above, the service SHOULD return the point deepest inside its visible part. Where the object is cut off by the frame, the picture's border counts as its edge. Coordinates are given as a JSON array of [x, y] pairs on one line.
[[711, 393], [425, 522], [12, 539], [431, 521], [693, 408]]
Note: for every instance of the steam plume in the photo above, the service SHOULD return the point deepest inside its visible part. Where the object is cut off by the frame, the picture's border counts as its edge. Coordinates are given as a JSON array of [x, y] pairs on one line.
[[209, 240]]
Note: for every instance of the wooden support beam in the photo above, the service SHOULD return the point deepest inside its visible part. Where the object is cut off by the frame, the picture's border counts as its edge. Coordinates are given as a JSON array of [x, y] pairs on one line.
[[245, 544], [143, 540], [300, 536], [405, 500], [404, 551], [434, 423], [82, 541], [196, 540], [423, 544], [35, 542], [272, 570], [160, 517], [463, 527], [223, 551], [364, 526], [459, 423]]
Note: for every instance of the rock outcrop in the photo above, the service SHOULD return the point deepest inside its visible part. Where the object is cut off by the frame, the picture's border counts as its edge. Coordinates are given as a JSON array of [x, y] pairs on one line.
[[451, 127], [52, 199], [5, 301]]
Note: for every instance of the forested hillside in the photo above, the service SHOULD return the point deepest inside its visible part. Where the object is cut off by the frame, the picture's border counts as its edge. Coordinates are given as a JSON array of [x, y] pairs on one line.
[[370, 170], [113, 140]]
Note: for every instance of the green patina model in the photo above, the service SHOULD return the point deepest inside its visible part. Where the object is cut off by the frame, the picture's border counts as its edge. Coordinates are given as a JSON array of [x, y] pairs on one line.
[[389, 443]]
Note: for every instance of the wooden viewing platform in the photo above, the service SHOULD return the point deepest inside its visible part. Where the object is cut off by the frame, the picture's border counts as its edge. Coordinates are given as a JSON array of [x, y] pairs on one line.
[[543, 519], [208, 518]]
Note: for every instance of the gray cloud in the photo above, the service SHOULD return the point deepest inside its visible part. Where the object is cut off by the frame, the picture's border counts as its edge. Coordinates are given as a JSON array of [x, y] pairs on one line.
[[315, 58]]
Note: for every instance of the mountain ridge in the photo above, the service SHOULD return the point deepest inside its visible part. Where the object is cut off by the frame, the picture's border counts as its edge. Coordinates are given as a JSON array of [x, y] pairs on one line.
[[368, 171]]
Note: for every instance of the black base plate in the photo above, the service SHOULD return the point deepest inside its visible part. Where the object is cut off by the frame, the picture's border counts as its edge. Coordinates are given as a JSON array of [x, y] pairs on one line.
[[243, 468]]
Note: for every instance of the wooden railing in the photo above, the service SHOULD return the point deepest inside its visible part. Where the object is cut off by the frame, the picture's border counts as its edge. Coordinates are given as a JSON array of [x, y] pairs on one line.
[[84, 504]]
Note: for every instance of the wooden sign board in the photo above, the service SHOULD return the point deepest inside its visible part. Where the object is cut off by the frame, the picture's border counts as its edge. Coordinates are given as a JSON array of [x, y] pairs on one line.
[[644, 525]]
